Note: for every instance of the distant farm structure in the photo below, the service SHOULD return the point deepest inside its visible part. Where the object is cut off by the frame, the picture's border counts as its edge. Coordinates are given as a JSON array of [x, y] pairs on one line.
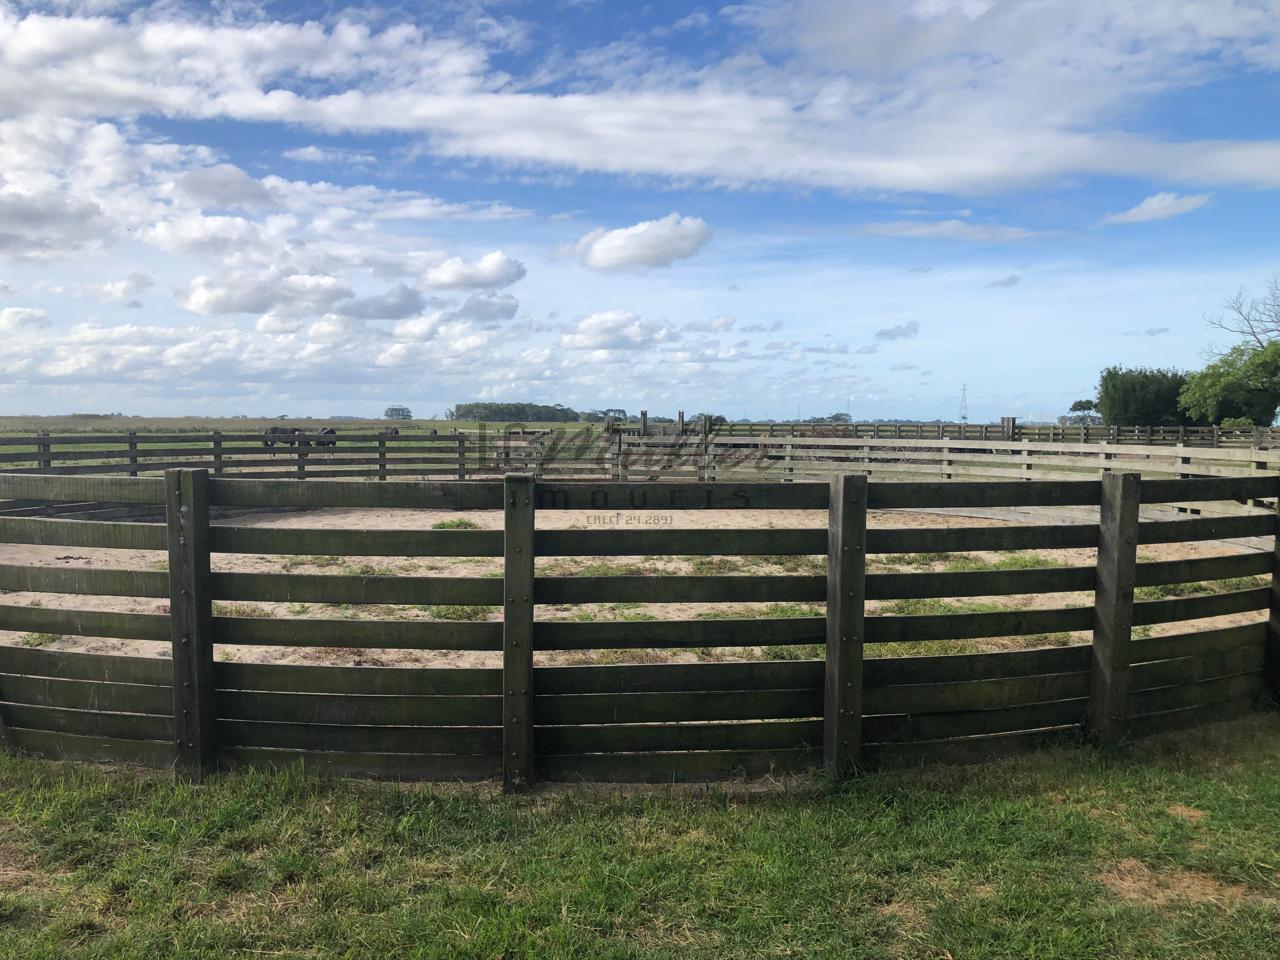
[[397, 412]]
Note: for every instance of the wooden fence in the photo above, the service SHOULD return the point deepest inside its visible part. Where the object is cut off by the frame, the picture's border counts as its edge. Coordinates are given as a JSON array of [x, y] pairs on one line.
[[1008, 429], [838, 705]]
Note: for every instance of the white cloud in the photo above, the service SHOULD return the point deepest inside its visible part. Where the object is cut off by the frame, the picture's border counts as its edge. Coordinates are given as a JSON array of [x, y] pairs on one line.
[[397, 303], [494, 269], [224, 185], [118, 291], [1159, 206], [288, 295], [15, 319], [719, 324], [948, 230], [650, 243], [616, 330], [901, 331], [334, 156]]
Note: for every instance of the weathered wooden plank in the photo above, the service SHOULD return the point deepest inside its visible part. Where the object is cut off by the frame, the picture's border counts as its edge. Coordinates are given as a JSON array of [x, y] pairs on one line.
[[961, 750], [86, 694], [89, 723], [95, 489], [1113, 607], [1271, 666], [1166, 673], [483, 741], [590, 708], [357, 543], [1204, 568], [1217, 488], [610, 541], [682, 496], [85, 623], [83, 533], [631, 738], [426, 494], [907, 728], [1045, 493], [980, 583], [736, 632], [73, 665], [1242, 687], [676, 767], [681, 589], [382, 766], [925, 540], [83, 580], [69, 746], [1198, 642], [1186, 717], [666, 677], [358, 634], [1195, 608], [328, 588], [359, 681], [520, 591], [847, 589], [975, 666], [191, 621], [976, 694], [352, 710], [963, 626], [1205, 528]]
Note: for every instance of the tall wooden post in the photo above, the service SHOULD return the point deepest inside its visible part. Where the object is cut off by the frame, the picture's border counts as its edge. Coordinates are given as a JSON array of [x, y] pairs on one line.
[[217, 452], [1113, 607], [44, 450], [846, 594], [133, 453], [517, 633], [301, 450], [644, 423], [382, 458], [1271, 663], [191, 619], [462, 456]]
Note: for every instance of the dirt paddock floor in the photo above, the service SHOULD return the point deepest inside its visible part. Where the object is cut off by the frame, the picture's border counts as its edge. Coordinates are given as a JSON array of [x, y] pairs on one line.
[[593, 566]]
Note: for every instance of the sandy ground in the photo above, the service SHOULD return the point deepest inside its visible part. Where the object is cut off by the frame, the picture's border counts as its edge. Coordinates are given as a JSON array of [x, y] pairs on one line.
[[442, 566]]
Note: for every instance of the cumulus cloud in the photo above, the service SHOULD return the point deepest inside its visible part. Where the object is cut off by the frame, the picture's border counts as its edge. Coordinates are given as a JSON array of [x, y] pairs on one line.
[[286, 295], [118, 291], [616, 330], [773, 326], [902, 331], [46, 226], [494, 269], [223, 185], [1159, 206], [15, 319], [720, 324], [397, 303], [650, 243]]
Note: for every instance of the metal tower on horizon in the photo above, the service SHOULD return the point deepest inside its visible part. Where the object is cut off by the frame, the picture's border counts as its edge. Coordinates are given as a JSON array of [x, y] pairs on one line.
[[964, 403]]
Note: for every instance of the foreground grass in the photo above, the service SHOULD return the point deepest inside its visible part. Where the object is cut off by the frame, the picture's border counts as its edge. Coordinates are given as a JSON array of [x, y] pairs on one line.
[[1167, 848]]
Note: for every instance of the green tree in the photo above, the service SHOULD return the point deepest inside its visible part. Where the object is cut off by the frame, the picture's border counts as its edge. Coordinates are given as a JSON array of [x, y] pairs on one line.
[[1141, 396], [1242, 384]]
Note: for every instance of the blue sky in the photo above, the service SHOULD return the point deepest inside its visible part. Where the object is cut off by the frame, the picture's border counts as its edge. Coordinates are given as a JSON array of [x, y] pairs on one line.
[[764, 209]]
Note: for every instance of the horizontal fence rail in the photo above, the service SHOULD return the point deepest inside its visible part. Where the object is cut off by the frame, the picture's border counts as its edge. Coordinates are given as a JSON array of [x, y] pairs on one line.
[[823, 698]]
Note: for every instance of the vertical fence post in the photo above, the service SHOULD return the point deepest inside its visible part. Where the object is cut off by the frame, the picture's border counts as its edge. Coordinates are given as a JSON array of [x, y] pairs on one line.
[[462, 456], [846, 592], [133, 453], [1113, 606], [217, 452], [382, 458], [517, 633], [301, 449], [1271, 662], [191, 620], [43, 447]]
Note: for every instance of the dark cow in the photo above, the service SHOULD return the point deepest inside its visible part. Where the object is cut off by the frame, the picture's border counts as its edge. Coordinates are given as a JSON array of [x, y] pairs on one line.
[[328, 438], [274, 435], [390, 432]]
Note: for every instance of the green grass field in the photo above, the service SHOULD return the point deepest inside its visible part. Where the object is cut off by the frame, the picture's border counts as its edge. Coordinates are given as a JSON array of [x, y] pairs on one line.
[[1168, 848]]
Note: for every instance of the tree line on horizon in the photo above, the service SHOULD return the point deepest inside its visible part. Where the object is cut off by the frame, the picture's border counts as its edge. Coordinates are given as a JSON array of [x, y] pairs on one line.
[[1238, 387]]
